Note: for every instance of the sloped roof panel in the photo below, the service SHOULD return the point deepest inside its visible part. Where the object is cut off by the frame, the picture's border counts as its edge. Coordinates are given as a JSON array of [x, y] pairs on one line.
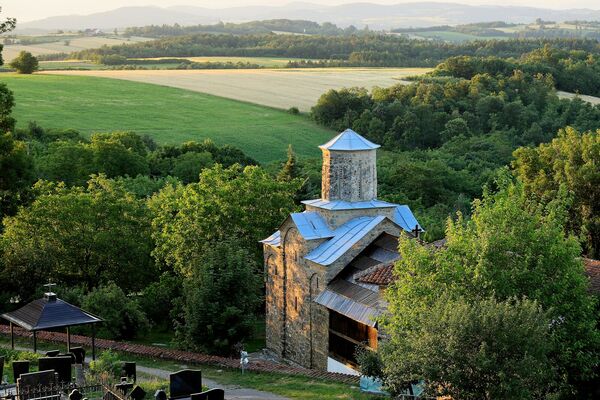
[[345, 237], [404, 217], [353, 301], [348, 205], [311, 225], [46, 314], [349, 141], [273, 240]]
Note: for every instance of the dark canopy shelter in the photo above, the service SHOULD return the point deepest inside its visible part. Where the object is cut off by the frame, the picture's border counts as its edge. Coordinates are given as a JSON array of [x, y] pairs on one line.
[[50, 312]]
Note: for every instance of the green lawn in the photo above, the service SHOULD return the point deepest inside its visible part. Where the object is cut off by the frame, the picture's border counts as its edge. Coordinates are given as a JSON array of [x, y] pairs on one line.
[[291, 386], [169, 115]]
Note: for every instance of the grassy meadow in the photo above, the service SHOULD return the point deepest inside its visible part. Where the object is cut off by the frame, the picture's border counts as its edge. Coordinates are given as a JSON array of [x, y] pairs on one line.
[[169, 115], [280, 88]]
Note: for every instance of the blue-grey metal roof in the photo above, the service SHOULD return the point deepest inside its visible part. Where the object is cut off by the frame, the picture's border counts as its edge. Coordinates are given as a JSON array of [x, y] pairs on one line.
[[273, 240], [349, 141], [348, 205], [311, 225], [353, 301], [404, 217], [344, 238], [49, 312]]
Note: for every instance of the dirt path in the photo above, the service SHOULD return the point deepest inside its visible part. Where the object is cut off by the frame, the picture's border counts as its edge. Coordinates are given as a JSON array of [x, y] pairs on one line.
[[231, 392]]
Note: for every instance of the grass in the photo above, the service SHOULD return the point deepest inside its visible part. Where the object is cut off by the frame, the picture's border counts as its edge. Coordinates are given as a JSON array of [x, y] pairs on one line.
[[291, 386], [280, 87], [169, 115]]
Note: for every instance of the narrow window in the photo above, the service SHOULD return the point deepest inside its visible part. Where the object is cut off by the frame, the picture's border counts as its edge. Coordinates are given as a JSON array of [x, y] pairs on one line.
[[296, 303]]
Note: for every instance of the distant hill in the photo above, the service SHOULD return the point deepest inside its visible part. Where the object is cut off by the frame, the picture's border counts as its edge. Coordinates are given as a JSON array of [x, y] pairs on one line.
[[376, 16]]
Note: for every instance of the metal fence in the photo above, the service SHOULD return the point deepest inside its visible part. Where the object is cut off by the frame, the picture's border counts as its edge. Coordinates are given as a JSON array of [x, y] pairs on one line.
[[55, 392]]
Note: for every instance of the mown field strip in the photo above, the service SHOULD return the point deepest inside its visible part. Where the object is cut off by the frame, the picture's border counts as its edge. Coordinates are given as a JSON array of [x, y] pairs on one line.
[[280, 88]]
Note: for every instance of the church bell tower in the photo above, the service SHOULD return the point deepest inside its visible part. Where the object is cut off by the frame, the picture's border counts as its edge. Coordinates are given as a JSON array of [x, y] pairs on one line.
[[349, 168]]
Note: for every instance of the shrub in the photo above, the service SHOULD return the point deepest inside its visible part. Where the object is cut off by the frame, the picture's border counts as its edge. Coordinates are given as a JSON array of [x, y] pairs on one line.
[[107, 366], [293, 110], [370, 363], [123, 316], [25, 63]]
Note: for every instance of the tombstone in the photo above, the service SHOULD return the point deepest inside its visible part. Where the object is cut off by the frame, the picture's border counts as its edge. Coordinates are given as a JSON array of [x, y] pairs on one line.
[[75, 395], [185, 383], [70, 355], [123, 387], [137, 393], [36, 385], [52, 353], [212, 394], [45, 378], [128, 369], [1, 370], [160, 395], [19, 367], [79, 353], [61, 364]]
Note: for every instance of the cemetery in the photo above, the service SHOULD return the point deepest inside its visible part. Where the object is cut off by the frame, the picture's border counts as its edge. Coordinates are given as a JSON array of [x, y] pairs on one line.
[[57, 375]]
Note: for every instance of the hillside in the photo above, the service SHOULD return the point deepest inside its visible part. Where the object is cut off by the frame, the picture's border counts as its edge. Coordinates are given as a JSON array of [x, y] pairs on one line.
[[169, 115], [376, 16]]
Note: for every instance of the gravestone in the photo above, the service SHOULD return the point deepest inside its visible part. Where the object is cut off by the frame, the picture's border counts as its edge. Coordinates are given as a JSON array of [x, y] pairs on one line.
[[52, 353], [160, 395], [79, 353], [60, 364], [128, 370], [124, 387], [44, 378], [75, 395], [19, 367], [70, 355], [212, 394], [36, 385], [1, 370], [137, 393], [185, 383]]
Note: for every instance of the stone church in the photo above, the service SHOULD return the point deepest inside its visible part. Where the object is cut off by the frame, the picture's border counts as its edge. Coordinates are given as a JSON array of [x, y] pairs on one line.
[[326, 266]]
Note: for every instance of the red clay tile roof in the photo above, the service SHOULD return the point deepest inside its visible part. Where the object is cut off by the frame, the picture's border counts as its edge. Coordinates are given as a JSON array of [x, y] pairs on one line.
[[378, 275], [592, 270]]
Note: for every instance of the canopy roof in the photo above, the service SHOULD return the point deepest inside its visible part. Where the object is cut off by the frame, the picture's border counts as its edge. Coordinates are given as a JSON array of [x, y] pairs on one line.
[[49, 312], [349, 141]]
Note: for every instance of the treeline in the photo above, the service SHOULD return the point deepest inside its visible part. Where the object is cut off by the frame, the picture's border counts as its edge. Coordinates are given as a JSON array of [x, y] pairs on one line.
[[367, 50], [572, 70], [244, 28], [450, 136]]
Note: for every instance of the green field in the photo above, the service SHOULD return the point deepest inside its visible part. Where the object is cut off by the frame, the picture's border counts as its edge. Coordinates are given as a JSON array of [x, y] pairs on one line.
[[169, 115]]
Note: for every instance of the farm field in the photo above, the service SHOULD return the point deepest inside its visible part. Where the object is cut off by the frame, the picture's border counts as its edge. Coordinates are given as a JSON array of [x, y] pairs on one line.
[[279, 88], [267, 62], [81, 43], [169, 115]]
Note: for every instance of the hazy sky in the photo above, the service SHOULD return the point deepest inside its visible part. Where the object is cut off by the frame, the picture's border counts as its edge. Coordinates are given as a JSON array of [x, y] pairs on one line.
[[27, 10]]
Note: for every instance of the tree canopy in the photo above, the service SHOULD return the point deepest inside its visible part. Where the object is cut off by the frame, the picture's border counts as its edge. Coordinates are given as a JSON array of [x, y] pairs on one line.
[[570, 161], [511, 248]]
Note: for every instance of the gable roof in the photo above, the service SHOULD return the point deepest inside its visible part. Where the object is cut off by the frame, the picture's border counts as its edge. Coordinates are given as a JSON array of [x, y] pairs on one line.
[[349, 141], [49, 312], [346, 236], [311, 225], [273, 240]]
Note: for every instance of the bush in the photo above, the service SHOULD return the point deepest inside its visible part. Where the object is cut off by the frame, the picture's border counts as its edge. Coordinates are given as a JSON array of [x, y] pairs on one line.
[[293, 110], [159, 298], [370, 363], [25, 63], [123, 316], [107, 366]]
